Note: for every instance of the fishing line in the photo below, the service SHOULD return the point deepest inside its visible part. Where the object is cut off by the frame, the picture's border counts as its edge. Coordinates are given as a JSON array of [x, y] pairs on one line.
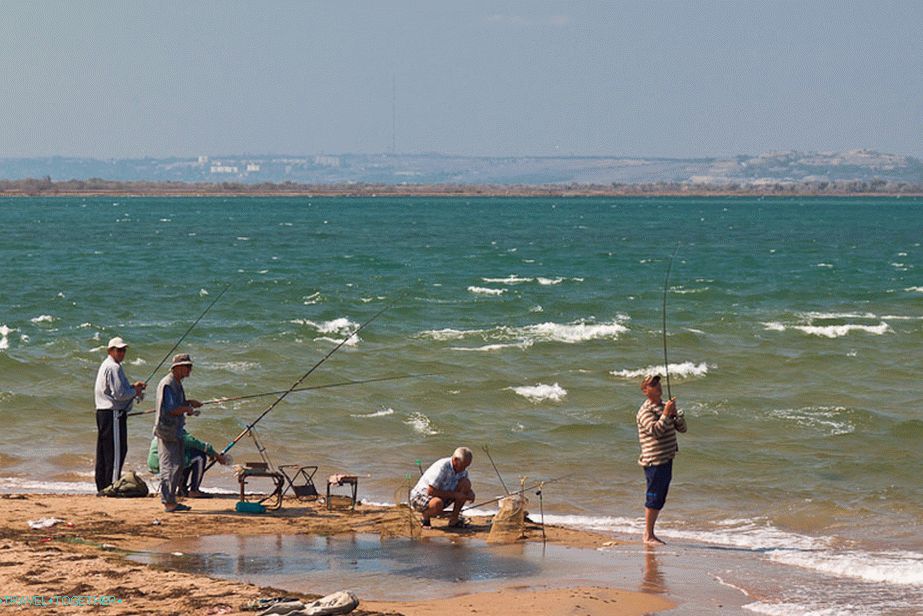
[[178, 342], [299, 382], [531, 487], [312, 388]]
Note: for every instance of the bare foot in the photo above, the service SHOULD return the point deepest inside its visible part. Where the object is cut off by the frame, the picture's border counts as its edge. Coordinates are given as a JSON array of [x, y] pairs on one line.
[[653, 540]]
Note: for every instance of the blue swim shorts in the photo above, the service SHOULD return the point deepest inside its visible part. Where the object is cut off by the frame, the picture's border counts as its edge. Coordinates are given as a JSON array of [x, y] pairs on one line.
[[658, 484]]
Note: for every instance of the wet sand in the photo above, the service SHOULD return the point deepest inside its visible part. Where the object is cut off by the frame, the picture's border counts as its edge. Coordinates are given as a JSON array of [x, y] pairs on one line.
[[88, 554]]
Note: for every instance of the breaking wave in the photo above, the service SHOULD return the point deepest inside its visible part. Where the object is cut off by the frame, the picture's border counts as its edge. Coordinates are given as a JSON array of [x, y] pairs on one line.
[[485, 291], [540, 392], [685, 369]]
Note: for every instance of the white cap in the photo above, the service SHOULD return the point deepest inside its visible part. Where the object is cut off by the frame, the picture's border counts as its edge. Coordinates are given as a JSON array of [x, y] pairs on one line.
[[117, 342]]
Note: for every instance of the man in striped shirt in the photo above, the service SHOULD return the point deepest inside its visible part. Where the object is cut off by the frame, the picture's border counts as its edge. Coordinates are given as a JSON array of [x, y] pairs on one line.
[[658, 423]]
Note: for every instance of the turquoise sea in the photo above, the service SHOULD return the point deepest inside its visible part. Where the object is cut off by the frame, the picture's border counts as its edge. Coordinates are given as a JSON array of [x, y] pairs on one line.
[[795, 333]]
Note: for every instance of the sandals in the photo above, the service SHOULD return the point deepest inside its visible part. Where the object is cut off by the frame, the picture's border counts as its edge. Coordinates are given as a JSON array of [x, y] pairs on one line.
[[179, 508], [459, 523]]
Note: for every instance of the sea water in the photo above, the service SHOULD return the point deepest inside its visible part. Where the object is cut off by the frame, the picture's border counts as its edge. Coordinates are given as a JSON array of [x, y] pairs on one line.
[[794, 333]]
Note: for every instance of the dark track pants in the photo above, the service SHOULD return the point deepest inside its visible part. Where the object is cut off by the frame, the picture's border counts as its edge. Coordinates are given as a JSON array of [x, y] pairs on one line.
[[111, 446], [192, 476]]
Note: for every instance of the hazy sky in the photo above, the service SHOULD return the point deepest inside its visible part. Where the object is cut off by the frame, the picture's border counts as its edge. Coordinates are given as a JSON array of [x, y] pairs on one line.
[[128, 79]]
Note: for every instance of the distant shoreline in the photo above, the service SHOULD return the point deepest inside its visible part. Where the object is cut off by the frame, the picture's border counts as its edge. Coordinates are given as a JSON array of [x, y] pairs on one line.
[[105, 188]]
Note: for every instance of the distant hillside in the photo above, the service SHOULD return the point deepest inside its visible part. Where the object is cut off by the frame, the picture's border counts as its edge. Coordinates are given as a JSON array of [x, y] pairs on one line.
[[777, 168]]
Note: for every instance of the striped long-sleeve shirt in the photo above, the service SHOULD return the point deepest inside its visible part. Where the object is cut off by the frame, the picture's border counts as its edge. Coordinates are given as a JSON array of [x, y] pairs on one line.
[[657, 434]]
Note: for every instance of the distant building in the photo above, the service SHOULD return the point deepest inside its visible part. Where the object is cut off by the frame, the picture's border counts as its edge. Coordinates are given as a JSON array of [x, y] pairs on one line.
[[219, 168], [253, 168], [327, 161], [203, 160]]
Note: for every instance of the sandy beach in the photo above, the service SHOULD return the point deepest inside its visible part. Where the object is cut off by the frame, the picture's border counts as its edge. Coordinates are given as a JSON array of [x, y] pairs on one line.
[[86, 555]]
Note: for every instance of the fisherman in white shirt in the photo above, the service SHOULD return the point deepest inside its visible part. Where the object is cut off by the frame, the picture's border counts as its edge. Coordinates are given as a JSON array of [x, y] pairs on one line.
[[114, 397], [444, 484]]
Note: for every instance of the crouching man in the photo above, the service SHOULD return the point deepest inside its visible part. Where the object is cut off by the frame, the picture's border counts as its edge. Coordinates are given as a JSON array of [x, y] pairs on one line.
[[444, 484]]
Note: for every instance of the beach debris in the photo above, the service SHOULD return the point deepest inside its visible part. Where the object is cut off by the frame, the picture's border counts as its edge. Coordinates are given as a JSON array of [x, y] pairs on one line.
[[262, 603], [282, 607], [342, 602], [107, 546], [609, 544], [44, 523], [156, 522]]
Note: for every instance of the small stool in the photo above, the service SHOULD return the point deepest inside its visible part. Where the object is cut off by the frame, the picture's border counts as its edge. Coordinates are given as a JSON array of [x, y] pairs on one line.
[[261, 471], [339, 480]]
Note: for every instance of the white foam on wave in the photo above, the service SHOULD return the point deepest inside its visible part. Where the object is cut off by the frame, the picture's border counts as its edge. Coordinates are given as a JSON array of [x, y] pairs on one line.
[[681, 370], [351, 342], [487, 348], [421, 424], [237, 367], [382, 412], [914, 289], [792, 609], [571, 333], [137, 362], [525, 336], [17, 485], [4, 341], [485, 291], [43, 318], [893, 567], [449, 334], [829, 419], [811, 315], [310, 300], [203, 292], [549, 281], [837, 331], [511, 279], [540, 392], [341, 325], [774, 326], [824, 265]]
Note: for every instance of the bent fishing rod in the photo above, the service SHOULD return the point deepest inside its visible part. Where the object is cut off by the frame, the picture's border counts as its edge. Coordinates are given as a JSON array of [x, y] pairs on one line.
[[496, 470], [297, 383], [312, 388], [183, 337], [521, 491], [666, 283]]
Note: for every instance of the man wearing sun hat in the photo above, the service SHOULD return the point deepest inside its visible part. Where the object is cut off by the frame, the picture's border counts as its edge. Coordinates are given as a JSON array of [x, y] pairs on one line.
[[170, 422], [114, 396], [658, 423]]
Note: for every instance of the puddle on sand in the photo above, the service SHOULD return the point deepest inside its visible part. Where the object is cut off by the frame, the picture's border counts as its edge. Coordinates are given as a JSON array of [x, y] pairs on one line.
[[382, 568]]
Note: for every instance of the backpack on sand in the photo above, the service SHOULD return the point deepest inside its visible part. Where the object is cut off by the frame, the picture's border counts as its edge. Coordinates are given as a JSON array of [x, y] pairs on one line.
[[129, 485]]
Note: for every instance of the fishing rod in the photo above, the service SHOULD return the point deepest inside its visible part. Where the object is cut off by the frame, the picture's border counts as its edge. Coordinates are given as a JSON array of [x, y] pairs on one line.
[[496, 470], [312, 388], [297, 383], [666, 282], [523, 490], [178, 342]]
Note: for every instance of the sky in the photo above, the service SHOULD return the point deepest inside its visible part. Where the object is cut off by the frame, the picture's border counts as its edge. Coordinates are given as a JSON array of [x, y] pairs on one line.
[[484, 78]]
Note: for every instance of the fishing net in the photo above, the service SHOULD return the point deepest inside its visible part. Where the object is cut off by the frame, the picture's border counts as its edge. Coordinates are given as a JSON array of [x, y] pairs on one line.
[[509, 524], [411, 519]]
